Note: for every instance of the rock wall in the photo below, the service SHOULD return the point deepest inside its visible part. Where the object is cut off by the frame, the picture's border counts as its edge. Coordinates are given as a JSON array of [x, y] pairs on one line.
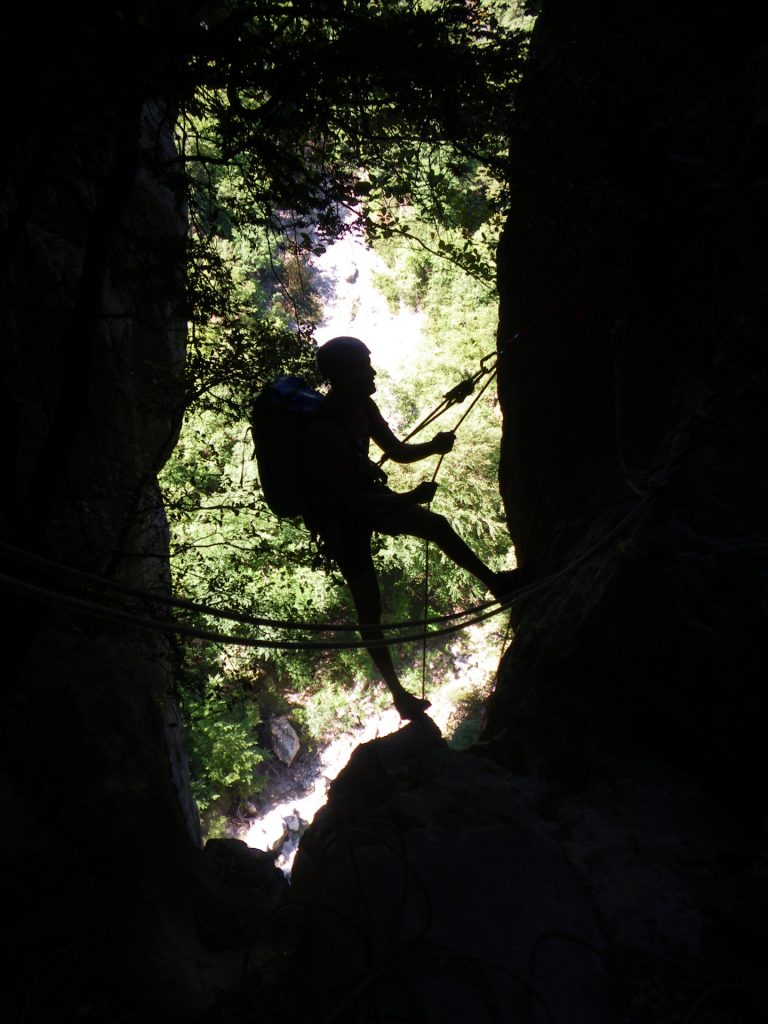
[[433, 886], [102, 836], [633, 268]]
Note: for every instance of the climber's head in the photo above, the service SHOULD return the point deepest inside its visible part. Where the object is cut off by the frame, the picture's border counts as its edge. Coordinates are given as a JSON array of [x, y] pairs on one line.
[[346, 363]]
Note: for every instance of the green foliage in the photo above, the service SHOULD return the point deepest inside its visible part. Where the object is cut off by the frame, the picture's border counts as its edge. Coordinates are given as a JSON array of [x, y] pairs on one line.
[[291, 94], [215, 826], [247, 342], [460, 321], [223, 750], [288, 126], [465, 724], [338, 707]]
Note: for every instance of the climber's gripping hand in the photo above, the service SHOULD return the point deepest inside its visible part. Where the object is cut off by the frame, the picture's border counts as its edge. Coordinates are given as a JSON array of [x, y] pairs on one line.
[[443, 442], [424, 492]]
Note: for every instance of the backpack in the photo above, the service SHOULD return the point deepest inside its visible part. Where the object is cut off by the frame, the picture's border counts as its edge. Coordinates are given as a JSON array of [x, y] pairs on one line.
[[278, 419]]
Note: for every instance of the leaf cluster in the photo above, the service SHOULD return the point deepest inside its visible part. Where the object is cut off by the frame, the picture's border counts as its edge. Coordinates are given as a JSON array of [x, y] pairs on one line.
[[305, 119], [222, 739], [322, 104]]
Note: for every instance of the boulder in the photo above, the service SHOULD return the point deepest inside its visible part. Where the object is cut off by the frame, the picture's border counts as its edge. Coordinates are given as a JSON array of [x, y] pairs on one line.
[[285, 740], [436, 893]]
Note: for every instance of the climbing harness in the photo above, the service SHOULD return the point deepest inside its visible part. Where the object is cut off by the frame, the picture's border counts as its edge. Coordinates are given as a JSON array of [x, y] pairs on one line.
[[456, 395]]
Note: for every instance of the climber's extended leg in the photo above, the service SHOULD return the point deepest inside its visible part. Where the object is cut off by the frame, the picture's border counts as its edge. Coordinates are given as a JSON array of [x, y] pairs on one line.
[[422, 522]]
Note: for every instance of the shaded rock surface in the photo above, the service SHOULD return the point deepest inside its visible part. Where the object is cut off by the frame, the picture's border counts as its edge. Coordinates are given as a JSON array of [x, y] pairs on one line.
[[588, 901], [107, 890], [633, 262], [424, 920]]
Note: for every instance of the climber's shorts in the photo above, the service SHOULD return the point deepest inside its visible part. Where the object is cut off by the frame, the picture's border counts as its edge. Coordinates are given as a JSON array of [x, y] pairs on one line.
[[347, 538]]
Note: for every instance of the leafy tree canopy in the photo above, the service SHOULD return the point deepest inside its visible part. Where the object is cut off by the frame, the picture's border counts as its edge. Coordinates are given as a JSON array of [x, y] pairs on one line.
[[320, 103], [312, 118]]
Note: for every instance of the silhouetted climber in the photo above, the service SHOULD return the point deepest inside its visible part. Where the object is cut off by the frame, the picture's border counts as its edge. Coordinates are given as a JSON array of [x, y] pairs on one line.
[[348, 500]]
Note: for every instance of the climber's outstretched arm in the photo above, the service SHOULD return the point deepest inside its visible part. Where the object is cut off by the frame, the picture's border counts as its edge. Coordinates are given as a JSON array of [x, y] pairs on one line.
[[400, 451]]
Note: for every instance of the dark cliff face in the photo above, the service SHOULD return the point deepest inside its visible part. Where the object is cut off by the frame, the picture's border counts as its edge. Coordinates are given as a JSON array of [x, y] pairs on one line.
[[633, 268], [111, 906], [100, 827]]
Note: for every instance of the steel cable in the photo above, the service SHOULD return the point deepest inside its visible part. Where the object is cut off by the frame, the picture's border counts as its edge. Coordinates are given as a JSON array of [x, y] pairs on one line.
[[169, 626], [231, 614]]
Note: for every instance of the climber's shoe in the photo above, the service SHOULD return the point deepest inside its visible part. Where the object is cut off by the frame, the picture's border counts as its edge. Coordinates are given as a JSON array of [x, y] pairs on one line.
[[505, 584], [410, 707]]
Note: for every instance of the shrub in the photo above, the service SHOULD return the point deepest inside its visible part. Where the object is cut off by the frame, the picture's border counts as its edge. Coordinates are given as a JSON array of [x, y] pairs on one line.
[[223, 751]]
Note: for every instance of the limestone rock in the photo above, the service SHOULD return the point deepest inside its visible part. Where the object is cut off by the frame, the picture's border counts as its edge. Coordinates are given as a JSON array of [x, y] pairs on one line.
[[285, 740], [242, 866]]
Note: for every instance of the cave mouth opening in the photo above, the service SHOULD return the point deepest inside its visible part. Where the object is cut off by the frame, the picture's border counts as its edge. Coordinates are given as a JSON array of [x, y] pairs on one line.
[[393, 292], [331, 198]]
